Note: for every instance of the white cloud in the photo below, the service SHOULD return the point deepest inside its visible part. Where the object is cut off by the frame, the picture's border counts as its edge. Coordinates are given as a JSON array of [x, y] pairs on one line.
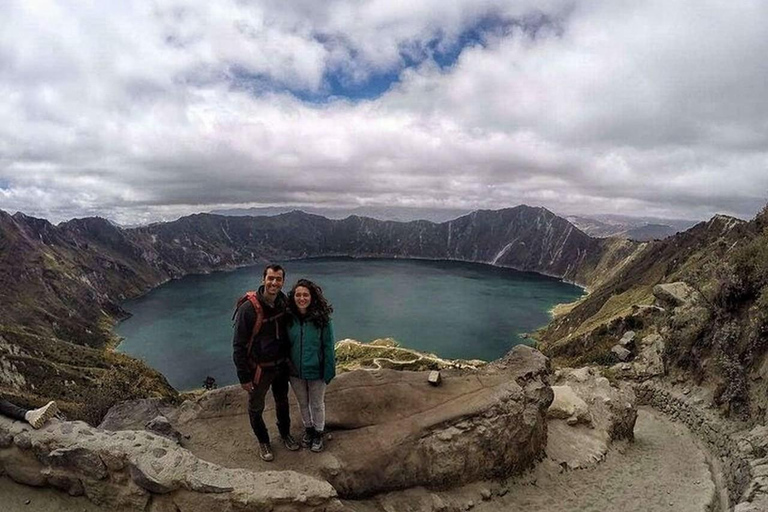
[[140, 111]]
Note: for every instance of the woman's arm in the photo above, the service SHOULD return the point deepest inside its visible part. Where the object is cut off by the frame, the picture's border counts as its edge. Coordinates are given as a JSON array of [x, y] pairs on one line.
[[329, 341]]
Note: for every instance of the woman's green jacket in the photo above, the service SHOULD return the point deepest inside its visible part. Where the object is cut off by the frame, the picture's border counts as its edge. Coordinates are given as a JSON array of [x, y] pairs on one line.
[[312, 351]]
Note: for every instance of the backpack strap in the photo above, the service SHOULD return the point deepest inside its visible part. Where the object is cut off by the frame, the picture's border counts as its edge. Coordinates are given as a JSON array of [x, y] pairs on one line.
[[254, 300]]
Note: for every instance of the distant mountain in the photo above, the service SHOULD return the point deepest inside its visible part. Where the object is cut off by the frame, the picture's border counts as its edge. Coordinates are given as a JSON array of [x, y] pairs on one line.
[[525, 238], [634, 228], [400, 214], [650, 232]]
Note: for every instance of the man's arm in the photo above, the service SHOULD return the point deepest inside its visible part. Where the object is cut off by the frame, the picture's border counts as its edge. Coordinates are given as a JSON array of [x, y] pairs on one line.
[[244, 320]]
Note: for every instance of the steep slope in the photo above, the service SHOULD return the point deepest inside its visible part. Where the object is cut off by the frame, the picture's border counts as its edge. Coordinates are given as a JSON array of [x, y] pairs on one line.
[[59, 291], [721, 343]]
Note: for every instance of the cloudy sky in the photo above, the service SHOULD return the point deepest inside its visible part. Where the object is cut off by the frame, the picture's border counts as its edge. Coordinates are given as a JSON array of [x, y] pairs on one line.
[[148, 110]]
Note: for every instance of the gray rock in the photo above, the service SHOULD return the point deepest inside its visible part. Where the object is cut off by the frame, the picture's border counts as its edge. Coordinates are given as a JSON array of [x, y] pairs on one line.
[[161, 426], [610, 410], [677, 294], [80, 459], [22, 467], [627, 339], [132, 415], [146, 480], [393, 433], [622, 353], [650, 361], [435, 438], [567, 405], [64, 481]]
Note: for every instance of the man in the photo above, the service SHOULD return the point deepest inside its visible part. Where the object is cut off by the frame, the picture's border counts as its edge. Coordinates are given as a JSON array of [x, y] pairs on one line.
[[266, 364]]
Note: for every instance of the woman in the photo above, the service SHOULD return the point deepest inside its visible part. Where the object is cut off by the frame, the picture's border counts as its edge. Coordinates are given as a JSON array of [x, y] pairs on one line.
[[310, 331]]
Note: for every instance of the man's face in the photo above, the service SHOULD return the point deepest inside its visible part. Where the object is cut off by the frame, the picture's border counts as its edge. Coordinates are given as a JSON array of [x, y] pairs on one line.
[[273, 283]]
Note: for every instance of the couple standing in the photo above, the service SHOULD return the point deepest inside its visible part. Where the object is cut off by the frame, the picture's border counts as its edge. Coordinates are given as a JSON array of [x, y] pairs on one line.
[[279, 339]]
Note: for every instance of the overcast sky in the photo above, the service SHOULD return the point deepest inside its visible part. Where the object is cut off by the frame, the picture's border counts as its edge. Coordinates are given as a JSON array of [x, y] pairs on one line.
[[141, 110]]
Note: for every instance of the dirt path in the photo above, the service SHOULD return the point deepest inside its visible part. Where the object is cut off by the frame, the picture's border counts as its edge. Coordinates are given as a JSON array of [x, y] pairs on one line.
[[663, 469], [21, 498]]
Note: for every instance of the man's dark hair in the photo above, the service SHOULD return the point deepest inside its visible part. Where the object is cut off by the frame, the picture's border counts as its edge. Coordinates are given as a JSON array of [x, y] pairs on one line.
[[273, 268]]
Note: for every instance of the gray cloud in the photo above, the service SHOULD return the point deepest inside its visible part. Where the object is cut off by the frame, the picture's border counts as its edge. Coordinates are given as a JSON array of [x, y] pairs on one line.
[[143, 112]]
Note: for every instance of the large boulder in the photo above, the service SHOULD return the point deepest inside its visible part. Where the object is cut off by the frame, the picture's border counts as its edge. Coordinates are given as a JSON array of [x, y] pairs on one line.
[[567, 405], [648, 363], [133, 470], [677, 294], [687, 307], [392, 430], [587, 415], [621, 353], [134, 414]]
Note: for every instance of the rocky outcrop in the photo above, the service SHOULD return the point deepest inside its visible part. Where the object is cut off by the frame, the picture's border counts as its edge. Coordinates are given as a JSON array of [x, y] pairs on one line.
[[390, 429], [679, 294], [387, 353], [587, 415], [132, 470], [711, 291], [648, 361]]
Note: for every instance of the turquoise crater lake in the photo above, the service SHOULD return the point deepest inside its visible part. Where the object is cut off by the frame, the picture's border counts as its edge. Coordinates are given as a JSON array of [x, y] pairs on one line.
[[456, 310]]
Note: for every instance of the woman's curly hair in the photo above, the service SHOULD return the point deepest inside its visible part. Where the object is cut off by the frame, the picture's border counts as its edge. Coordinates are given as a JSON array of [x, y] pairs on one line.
[[319, 310]]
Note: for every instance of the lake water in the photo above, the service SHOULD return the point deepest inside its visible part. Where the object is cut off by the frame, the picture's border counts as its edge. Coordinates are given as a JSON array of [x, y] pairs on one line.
[[456, 310]]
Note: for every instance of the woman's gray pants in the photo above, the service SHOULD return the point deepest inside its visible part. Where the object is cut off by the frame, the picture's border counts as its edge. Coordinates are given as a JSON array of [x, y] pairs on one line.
[[311, 397]]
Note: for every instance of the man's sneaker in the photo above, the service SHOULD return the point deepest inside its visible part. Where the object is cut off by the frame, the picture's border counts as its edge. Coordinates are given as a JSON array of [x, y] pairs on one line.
[[38, 417], [290, 443], [317, 442], [265, 452], [309, 435]]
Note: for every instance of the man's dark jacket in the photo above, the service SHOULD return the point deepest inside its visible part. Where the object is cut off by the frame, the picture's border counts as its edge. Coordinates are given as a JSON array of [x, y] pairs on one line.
[[270, 344]]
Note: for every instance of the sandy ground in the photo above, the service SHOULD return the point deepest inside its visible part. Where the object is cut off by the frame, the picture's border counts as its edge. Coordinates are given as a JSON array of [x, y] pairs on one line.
[[663, 470], [21, 498]]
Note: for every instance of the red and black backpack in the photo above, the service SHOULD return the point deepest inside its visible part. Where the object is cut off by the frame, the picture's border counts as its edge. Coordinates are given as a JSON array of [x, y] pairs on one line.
[[253, 298]]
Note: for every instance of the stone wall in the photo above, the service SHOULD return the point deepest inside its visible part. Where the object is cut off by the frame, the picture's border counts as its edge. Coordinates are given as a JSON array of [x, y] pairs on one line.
[[135, 470], [743, 452]]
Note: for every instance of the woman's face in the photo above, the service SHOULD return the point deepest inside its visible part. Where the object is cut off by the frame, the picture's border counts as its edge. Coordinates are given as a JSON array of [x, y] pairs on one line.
[[302, 298]]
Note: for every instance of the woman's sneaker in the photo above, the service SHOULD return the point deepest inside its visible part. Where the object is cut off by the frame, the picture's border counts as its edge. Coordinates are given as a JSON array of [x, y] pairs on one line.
[[38, 417], [317, 442], [290, 443], [306, 439]]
